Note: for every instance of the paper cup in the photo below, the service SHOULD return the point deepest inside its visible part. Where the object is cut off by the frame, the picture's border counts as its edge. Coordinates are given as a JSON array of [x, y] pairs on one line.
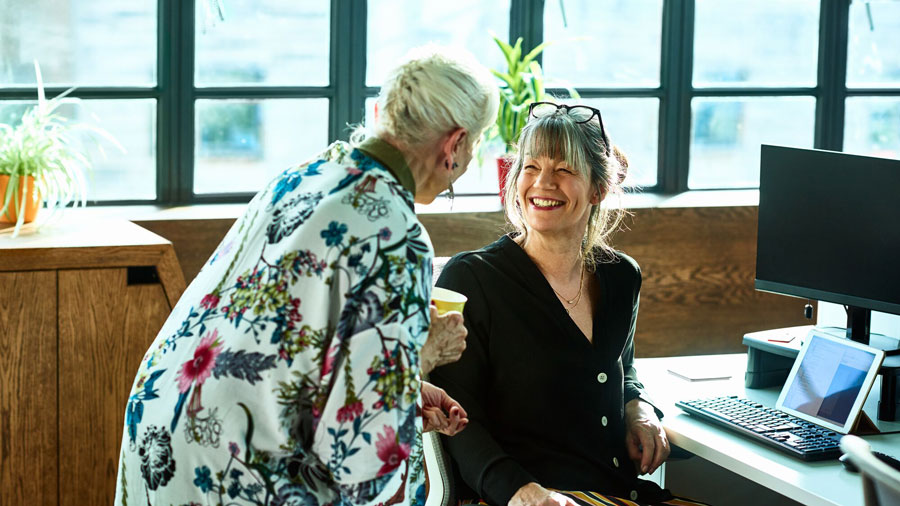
[[447, 300]]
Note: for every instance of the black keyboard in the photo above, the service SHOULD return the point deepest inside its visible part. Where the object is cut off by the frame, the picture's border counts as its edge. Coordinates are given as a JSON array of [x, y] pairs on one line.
[[768, 426]]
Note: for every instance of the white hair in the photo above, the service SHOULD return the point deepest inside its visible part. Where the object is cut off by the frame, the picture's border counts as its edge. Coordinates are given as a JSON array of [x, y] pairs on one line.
[[433, 91]]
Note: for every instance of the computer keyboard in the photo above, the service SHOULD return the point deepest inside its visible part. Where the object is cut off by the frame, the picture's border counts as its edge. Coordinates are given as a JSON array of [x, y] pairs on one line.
[[768, 426]]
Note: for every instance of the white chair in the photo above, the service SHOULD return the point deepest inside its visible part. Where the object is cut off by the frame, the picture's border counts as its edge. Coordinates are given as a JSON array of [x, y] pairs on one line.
[[437, 461], [438, 472], [881, 482], [437, 267]]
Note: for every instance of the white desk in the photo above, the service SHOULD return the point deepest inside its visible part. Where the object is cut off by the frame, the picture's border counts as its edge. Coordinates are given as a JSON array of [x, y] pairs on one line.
[[810, 483]]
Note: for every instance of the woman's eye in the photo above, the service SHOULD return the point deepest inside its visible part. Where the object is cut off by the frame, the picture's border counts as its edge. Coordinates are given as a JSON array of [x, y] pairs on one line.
[[565, 170]]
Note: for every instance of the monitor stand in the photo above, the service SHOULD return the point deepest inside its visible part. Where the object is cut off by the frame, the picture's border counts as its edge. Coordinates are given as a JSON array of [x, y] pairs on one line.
[[859, 322], [771, 354]]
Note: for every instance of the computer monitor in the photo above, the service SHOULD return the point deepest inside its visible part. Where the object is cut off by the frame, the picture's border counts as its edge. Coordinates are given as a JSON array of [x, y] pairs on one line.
[[829, 230]]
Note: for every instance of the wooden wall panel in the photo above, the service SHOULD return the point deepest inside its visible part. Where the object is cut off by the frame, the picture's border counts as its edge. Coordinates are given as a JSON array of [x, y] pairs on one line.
[[105, 327], [698, 264], [452, 233], [28, 354]]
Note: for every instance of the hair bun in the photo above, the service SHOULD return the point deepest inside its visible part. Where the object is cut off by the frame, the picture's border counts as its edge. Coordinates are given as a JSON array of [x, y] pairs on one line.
[[623, 163]]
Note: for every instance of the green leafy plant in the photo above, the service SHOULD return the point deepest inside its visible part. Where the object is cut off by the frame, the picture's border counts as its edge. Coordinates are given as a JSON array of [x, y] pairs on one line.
[[44, 145], [522, 84]]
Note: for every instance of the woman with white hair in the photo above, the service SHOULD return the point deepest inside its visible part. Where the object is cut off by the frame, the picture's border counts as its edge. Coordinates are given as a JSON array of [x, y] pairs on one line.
[[290, 370]]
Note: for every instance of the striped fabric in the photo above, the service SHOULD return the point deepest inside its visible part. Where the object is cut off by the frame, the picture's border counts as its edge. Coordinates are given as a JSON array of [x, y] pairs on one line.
[[585, 498]]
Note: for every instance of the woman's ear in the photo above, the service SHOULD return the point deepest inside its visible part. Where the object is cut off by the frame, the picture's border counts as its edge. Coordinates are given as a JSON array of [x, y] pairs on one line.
[[375, 113], [451, 145], [597, 196]]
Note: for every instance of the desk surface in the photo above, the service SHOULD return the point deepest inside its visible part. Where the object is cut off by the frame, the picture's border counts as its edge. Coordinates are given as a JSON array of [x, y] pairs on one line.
[[812, 483]]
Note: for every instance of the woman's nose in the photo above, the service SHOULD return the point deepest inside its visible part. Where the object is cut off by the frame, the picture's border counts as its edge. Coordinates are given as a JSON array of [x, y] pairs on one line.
[[546, 179]]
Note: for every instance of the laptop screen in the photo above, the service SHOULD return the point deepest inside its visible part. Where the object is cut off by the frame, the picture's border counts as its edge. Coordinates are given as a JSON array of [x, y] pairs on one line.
[[831, 381]]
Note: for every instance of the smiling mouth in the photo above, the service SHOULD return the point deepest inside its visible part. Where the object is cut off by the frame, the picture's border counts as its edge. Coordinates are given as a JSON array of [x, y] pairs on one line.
[[545, 203]]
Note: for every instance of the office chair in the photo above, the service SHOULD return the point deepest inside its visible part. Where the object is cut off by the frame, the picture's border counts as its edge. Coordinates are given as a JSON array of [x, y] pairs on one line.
[[437, 267], [881, 482], [439, 473]]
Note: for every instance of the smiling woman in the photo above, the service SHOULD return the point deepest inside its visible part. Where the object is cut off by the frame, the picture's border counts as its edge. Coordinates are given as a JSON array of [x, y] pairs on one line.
[[568, 163], [551, 318]]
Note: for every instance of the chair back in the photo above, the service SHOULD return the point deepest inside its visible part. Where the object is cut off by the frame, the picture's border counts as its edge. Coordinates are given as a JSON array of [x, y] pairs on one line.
[[438, 472], [881, 482]]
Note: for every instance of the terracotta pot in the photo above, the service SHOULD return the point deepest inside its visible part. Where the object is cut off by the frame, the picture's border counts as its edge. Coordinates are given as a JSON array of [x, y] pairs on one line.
[[31, 206], [504, 164]]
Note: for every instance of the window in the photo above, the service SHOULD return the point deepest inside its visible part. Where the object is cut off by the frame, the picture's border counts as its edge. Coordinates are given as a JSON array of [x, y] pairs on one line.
[[394, 26], [104, 46], [610, 52], [726, 133], [214, 109], [259, 79], [741, 76], [872, 110]]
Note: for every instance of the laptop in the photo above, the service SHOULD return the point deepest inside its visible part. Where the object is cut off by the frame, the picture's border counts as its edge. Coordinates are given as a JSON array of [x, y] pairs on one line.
[[821, 400]]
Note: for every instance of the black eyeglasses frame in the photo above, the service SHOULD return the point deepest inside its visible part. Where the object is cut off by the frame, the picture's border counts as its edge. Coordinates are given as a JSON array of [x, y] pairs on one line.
[[567, 109]]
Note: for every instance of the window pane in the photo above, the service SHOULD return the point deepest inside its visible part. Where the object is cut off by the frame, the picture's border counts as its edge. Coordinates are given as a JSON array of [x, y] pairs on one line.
[[756, 43], [726, 134], [633, 125], [241, 144], [96, 43], [272, 42], [395, 26], [116, 176], [872, 56], [583, 31], [872, 126]]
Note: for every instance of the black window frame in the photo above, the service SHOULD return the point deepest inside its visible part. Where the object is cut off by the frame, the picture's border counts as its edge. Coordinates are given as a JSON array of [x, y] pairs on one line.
[[347, 91]]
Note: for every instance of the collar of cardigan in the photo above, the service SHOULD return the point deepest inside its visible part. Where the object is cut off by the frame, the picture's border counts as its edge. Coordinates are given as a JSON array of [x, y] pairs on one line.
[[392, 160]]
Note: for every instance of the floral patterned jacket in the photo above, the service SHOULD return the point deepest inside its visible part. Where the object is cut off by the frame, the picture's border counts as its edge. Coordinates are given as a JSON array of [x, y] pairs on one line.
[[288, 373]]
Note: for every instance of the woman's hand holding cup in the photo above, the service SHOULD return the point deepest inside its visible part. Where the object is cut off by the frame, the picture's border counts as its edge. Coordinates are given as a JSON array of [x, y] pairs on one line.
[[447, 335]]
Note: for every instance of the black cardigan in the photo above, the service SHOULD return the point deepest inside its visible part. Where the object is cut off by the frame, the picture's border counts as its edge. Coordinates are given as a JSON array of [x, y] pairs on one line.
[[544, 403]]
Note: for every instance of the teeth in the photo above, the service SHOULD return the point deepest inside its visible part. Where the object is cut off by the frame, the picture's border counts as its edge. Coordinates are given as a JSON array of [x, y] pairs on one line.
[[546, 203]]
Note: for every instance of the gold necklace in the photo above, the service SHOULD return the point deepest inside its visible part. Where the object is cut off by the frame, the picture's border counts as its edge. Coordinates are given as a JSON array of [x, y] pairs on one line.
[[577, 298]]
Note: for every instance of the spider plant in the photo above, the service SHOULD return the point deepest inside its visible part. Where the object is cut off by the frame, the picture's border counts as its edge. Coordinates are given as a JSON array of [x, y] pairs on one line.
[[45, 145]]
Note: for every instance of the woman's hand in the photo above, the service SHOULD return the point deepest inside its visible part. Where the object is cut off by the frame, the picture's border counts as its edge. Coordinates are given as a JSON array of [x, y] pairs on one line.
[[446, 340], [645, 437], [440, 412], [533, 494]]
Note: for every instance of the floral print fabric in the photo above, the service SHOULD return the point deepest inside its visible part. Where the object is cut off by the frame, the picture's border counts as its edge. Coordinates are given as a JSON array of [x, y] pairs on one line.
[[288, 372]]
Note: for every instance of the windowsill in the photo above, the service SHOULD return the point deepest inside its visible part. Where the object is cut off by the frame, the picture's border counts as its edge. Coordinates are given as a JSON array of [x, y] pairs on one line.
[[462, 204]]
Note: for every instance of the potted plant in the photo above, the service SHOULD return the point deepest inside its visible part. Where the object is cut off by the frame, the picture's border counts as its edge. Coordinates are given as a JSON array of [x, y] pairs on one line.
[[40, 160], [521, 85]]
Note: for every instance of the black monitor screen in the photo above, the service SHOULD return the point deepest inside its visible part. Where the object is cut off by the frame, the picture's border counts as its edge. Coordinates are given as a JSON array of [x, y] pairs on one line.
[[829, 227]]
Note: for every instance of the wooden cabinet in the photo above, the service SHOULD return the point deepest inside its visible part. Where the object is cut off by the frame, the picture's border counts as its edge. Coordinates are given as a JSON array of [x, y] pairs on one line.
[[80, 303]]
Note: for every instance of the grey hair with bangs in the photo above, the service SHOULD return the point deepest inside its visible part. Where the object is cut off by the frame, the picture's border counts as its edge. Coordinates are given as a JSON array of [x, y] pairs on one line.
[[583, 147]]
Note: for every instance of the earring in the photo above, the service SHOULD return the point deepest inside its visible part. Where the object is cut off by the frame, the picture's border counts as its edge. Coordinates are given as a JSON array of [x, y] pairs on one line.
[[450, 194]]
